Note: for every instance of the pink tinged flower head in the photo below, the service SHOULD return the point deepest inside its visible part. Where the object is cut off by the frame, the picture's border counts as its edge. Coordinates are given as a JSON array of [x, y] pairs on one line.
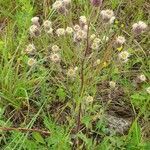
[[139, 27], [96, 3], [34, 31]]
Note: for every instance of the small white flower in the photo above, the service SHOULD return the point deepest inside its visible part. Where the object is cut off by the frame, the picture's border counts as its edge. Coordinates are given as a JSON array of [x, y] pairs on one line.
[[148, 90], [47, 25], [95, 46], [69, 30], [107, 15], [89, 99], [85, 28], [57, 5], [30, 49], [112, 84], [77, 27], [34, 30], [92, 37], [82, 20], [67, 3], [55, 48], [97, 62], [120, 40], [81, 35], [142, 77], [31, 62], [72, 72], [97, 40], [60, 31], [112, 19], [124, 56], [35, 20], [139, 27], [55, 57], [50, 31]]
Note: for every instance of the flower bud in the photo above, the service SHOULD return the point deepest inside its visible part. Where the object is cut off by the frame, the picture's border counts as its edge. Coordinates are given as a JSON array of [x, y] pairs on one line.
[[96, 3]]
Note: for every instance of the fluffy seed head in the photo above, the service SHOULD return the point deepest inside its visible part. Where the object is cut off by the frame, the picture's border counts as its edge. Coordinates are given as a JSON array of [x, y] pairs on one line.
[[31, 62], [55, 48], [107, 15], [67, 3], [55, 57], [148, 90], [96, 3], [80, 35], [60, 31], [50, 31], [97, 40], [89, 99], [120, 40], [82, 20], [92, 37], [142, 77], [47, 25], [112, 84], [30, 49], [124, 56], [69, 30], [112, 19], [77, 27], [35, 21], [95, 46], [72, 72], [139, 27], [34, 31], [59, 7]]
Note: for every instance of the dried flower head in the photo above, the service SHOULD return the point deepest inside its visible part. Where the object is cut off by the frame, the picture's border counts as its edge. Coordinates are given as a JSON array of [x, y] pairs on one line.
[[97, 40], [69, 30], [120, 40], [139, 27], [97, 62], [85, 28], [96, 3], [31, 62], [55, 48], [34, 31], [124, 56], [60, 31], [67, 3], [35, 21], [95, 46], [112, 19], [77, 27], [50, 31], [112, 84], [89, 99], [82, 21], [59, 7], [107, 15], [80, 35], [92, 37], [72, 72], [142, 77], [148, 90], [55, 57], [47, 25], [30, 49]]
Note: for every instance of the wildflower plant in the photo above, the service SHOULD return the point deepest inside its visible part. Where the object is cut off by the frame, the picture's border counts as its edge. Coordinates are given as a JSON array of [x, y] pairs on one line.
[[75, 55]]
